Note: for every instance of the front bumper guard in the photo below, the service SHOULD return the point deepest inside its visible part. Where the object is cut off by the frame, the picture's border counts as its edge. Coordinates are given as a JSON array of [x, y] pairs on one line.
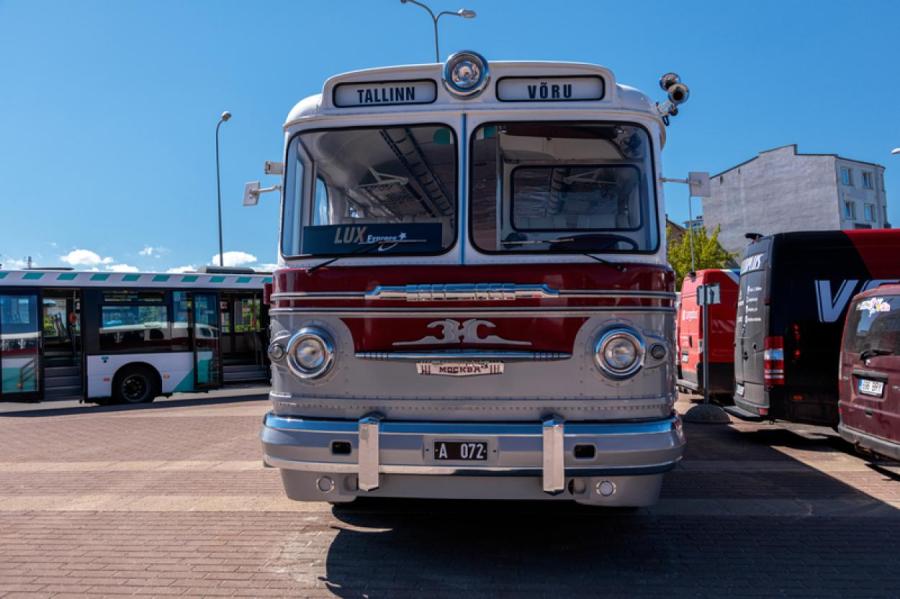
[[381, 447]]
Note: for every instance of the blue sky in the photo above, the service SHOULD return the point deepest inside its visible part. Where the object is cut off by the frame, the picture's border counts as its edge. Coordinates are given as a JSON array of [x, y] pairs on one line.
[[108, 108]]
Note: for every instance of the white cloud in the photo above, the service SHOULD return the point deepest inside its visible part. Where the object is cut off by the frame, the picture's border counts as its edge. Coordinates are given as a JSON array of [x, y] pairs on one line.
[[181, 269], [234, 258], [85, 258], [14, 263], [266, 267], [153, 251], [122, 268]]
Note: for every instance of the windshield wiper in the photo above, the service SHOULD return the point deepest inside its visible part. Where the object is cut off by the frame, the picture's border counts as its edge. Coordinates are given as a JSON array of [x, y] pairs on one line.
[[365, 249], [615, 265], [874, 351]]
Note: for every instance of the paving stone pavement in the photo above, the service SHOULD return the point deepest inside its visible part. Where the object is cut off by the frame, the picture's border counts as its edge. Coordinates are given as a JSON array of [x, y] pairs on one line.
[[172, 499]]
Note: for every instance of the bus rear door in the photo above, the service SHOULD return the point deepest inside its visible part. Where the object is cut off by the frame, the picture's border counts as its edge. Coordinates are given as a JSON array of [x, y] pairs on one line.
[[20, 345], [207, 353]]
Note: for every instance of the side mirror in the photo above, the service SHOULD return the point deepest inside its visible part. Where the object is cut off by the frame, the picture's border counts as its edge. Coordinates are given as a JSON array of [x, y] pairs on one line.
[[251, 193]]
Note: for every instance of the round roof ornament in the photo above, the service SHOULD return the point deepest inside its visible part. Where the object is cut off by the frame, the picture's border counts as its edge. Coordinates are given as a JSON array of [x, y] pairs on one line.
[[466, 74]]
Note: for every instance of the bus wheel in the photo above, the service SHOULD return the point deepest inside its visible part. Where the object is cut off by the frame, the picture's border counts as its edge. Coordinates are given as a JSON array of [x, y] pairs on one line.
[[135, 384]]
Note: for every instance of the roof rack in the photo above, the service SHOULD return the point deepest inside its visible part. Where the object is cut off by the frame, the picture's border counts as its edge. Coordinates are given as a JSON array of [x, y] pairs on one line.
[[226, 270]]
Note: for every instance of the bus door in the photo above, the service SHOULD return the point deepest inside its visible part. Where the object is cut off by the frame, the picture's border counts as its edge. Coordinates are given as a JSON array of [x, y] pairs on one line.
[[207, 353], [20, 345]]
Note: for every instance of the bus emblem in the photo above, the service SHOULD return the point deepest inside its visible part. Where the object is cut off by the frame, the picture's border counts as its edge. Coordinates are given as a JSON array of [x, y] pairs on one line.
[[453, 331]]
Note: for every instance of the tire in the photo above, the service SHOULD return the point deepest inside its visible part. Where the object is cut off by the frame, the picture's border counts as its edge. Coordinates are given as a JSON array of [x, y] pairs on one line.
[[135, 384]]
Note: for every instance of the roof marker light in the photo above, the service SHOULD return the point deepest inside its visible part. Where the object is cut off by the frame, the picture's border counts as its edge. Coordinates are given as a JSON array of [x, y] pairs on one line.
[[466, 74]]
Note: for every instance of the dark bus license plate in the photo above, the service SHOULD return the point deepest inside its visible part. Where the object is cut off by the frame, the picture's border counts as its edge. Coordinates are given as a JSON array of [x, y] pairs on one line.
[[472, 451]]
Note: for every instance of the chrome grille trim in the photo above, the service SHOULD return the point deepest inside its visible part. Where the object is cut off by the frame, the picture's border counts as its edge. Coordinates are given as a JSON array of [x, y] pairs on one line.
[[506, 356]]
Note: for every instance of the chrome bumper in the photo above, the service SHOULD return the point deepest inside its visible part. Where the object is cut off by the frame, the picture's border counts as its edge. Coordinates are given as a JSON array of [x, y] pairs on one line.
[[545, 449]]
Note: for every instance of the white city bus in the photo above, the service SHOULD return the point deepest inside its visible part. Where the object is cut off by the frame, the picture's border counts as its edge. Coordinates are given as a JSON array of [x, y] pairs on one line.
[[476, 301], [129, 337]]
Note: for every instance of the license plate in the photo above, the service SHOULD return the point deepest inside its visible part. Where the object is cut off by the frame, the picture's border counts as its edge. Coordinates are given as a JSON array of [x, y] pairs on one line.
[[740, 389], [873, 388], [468, 451], [459, 368]]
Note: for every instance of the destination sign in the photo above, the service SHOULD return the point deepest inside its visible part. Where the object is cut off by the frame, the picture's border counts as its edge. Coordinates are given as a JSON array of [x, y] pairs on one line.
[[386, 93], [550, 89], [372, 238]]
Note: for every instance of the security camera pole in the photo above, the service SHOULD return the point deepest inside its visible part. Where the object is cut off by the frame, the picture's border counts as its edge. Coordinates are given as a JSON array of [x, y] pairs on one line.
[[462, 12], [225, 116]]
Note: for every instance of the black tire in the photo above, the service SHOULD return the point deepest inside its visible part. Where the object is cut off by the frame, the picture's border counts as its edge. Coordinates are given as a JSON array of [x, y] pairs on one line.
[[135, 384]]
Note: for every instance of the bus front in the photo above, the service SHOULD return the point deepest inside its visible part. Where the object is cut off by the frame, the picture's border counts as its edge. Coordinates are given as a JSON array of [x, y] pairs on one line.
[[475, 300]]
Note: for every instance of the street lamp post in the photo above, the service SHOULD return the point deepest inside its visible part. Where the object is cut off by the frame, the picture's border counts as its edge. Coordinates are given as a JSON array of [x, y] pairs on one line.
[[225, 116], [462, 12]]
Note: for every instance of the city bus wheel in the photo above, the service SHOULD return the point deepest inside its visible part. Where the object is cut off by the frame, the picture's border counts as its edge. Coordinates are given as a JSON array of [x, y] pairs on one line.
[[135, 384]]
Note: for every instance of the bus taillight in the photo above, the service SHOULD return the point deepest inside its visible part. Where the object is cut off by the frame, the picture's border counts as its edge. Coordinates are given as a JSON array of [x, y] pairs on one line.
[[773, 361]]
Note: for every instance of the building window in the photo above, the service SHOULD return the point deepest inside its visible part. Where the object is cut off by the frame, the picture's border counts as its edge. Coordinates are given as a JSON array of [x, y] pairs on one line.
[[846, 176], [849, 210], [870, 212], [868, 180]]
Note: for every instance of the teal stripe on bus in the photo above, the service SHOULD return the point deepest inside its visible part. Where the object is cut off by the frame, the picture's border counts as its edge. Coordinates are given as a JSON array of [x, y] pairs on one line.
[[160, 278], [32, 276], [243, 279], [267, 280], [189, 279], [3, 275], [67, 276], [131, 278], [99, 277], [217, 279]]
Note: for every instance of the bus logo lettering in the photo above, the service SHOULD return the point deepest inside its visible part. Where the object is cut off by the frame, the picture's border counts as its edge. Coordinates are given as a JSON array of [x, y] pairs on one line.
[[453, 331]]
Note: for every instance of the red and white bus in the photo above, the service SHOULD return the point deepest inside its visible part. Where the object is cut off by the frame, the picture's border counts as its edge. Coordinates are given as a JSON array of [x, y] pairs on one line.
[[476, 301]]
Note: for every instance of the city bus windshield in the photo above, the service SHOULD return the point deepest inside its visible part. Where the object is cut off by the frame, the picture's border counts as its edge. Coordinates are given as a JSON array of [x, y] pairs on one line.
[[390, 189], [562, 187]]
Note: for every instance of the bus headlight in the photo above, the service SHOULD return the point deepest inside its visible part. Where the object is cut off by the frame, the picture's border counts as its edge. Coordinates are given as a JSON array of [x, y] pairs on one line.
[[619, 353], [310, 353], [466, 73]]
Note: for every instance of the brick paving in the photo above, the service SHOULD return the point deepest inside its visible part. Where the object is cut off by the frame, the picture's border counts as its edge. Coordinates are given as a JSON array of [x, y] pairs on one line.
[[171, 499]]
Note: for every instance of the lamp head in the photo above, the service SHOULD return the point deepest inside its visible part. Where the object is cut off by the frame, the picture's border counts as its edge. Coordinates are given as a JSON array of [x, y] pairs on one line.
[[896, 151], [225, 116], [465, 13]]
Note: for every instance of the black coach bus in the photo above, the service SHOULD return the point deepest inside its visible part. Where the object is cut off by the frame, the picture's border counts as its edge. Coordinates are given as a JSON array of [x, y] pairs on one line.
[[794, 292]]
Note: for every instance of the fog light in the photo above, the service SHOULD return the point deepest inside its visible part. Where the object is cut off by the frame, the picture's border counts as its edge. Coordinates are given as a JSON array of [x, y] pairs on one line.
[[606, 488], [658, 351], [276, 351], [310, 353], [619, 353], [465, 74]]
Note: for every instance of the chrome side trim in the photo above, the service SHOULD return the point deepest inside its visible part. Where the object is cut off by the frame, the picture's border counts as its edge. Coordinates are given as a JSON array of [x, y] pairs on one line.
[[480, 292], [368, 452], [469, 292], [554, 456], [581, 312], [506, 356]]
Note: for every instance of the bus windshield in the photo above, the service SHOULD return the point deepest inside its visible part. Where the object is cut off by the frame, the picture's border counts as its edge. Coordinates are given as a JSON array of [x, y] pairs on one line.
[[562, 187], [388, 189]]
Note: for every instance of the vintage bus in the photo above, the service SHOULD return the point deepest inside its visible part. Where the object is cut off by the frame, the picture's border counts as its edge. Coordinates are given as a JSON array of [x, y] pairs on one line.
[[476, 301], [129, 337]]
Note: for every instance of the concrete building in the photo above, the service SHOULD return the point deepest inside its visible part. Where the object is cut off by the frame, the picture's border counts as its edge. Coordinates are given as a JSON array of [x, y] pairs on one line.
[[780, 190]]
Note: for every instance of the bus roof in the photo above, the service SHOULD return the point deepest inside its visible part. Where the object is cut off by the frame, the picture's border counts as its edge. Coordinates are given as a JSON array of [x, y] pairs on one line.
[[68, 278], [512, 84]]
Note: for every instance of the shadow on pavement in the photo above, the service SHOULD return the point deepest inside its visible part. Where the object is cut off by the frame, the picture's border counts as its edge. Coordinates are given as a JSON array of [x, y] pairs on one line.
[[46, 409], [830, 543]]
